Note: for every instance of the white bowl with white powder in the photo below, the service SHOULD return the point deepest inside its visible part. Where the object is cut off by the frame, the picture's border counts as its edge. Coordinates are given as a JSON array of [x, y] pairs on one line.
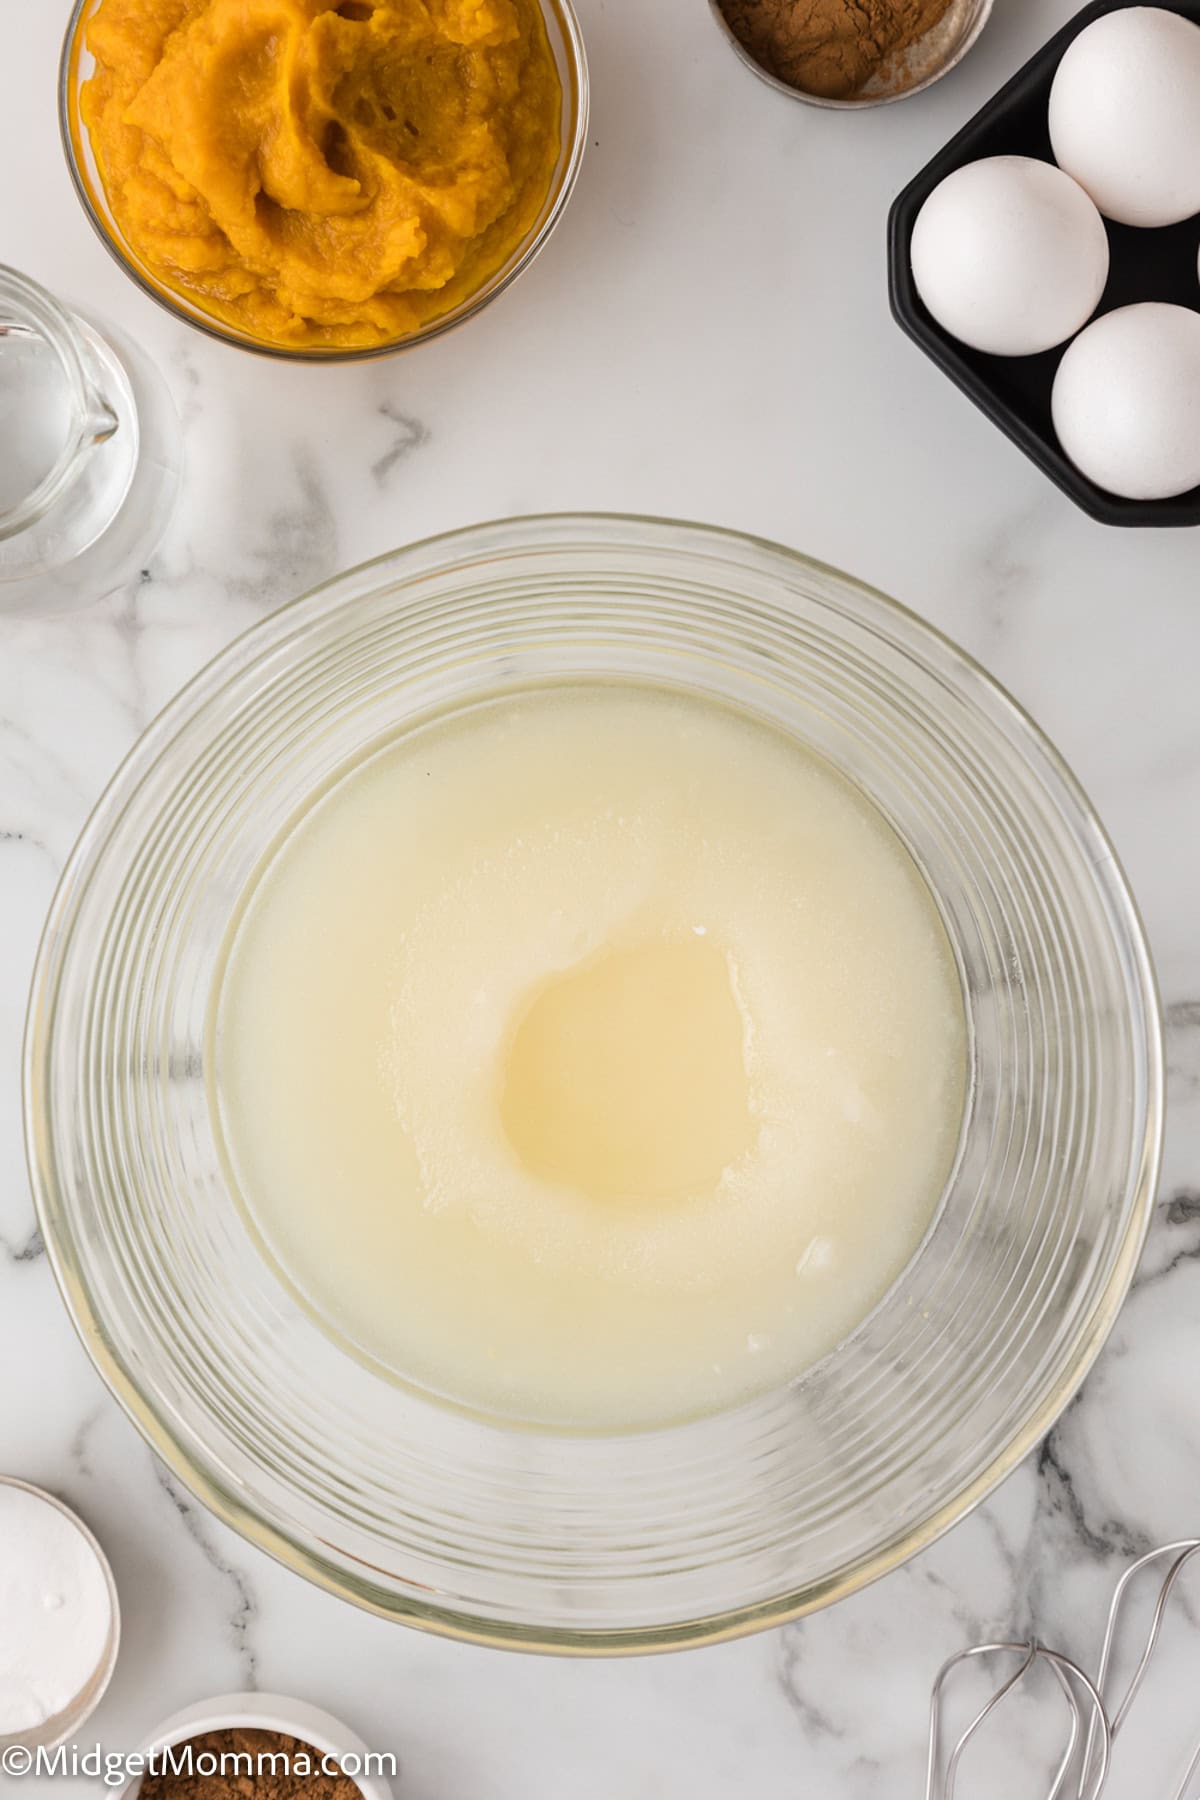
[[59, 1618]]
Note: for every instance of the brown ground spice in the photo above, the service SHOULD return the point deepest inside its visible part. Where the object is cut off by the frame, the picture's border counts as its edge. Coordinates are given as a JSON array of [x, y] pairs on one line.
[[829, 47], [236, 1784]]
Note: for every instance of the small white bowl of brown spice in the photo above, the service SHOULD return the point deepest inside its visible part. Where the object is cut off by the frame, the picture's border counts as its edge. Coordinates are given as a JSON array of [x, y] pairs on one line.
[[259, 1747], [851, 53]]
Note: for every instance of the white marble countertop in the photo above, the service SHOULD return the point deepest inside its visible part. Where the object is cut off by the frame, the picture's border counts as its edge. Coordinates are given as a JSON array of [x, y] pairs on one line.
[[707, 336]]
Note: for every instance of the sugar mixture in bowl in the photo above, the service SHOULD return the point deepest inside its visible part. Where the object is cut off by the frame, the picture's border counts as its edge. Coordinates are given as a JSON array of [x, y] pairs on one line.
[[594, 1057]]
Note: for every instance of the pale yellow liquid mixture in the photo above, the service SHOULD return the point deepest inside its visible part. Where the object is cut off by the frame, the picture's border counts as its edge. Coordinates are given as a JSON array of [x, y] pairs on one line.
[[595, 1057]]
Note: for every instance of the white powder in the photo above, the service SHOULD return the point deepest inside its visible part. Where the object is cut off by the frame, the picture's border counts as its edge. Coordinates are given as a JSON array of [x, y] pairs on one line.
[[55, 1611]]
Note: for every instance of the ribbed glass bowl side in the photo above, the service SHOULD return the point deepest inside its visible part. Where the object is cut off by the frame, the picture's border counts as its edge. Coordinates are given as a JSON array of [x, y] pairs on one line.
[[547, 1539]]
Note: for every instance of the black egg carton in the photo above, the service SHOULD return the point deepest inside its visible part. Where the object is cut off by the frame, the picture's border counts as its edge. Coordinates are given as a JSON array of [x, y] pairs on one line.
[[1152, 264]]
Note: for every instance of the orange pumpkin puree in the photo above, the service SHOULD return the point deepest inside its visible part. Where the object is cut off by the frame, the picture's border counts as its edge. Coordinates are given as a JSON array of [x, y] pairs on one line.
[[323, 174]]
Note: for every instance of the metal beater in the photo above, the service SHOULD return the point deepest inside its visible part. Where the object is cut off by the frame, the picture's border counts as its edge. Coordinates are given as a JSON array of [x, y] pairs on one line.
[[1096, 1712]]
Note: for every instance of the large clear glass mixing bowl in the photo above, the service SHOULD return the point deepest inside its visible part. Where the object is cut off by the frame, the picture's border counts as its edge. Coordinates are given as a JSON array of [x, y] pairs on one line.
[[558, 1540]]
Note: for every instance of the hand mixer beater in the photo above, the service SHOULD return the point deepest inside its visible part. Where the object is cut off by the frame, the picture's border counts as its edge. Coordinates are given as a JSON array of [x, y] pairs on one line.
[[1097, 1709]]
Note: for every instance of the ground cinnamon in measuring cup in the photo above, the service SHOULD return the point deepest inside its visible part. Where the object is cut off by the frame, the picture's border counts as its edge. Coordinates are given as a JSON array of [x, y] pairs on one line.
[[829, 47]]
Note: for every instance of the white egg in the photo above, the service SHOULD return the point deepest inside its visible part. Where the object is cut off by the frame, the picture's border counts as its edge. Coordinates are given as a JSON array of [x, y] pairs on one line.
[[1125, 115], [1126, 401], [1009, 255]]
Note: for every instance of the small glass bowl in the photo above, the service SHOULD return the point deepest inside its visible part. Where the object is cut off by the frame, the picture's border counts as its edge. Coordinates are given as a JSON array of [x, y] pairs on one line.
[[941, 50], [566, 43], [559, 1540]]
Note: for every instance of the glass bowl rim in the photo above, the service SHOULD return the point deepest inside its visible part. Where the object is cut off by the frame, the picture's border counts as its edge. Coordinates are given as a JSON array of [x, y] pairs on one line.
[[570, 161], [301, 1552]]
